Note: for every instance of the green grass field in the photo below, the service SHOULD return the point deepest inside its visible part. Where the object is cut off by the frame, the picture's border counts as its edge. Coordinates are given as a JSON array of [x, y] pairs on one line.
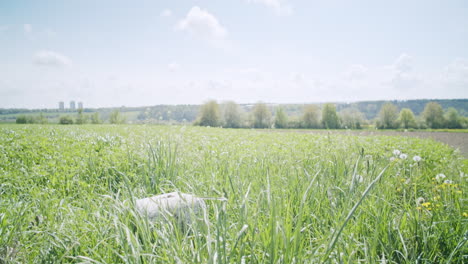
[[67, 192]]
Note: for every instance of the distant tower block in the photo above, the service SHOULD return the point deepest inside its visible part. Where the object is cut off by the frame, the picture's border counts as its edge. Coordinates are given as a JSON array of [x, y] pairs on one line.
[[80, 105], [61, 106], [72, 105]]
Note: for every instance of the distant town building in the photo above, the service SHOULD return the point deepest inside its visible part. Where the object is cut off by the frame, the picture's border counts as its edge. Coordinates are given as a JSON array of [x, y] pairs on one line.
[[80, 105], [61, 106], [72, 105]]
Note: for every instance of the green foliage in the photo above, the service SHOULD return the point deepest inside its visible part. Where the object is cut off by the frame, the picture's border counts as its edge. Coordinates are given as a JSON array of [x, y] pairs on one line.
[[351, 118], [388, 116], [231, 115], [67, 195], [116, 118], [21, 119], [209, 114], [29, 119], [407, 119], [66, 120], [453, 119], [281, 119], [434, 115], [311, 117], [81, 119], [95, 119], [261, 116], [330, 117]]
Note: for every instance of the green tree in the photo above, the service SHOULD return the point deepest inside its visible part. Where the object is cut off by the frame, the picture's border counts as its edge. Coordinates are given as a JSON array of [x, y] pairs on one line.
[[351, 118], [65, 120], [21, 119], [95, 119], [310, 117], [434, 115], [388, 116], [81, 119], [116, 118], [209, 114], [231, 115], [281, 119], [330, 117], [407, 119], [261, 116], [453, 118], [41, 119]]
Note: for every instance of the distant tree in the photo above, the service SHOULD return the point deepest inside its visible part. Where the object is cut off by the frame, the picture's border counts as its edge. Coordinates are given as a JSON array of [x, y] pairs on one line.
[[81, 119], [95, 119], [21, 119], [261, 116], [310, 117], [231, 115], [407, 119], [281, 119], [65, 120], [330, 117], [116, 118], [41, 119], [351, 118], [453, 118], [388, 116], [434, 115], [209, 114]]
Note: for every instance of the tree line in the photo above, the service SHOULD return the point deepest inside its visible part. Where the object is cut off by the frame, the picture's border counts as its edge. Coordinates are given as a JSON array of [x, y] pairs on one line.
[[231, 115], [81, 118]]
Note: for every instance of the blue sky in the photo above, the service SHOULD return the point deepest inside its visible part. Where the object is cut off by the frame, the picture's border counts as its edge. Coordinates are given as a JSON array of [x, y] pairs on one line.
[[134, 53]]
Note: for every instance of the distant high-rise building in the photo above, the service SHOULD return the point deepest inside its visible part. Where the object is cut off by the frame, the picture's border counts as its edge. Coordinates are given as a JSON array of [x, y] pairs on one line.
[[80, 105], [72, 105], [61, 106]]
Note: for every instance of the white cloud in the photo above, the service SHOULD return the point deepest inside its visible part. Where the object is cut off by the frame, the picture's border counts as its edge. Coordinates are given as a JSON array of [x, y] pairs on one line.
[[173, 66], [201, 23], [356, 72], [403, 63], [281, 7], [51, 58], [27, 28], [4, 28], [402, 75], [456, 73], [166, 13]]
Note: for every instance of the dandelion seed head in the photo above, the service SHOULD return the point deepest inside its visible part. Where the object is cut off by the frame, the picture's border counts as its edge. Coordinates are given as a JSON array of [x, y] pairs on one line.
[[417, 158], [403, 156], [439, 177], [420, 201], [396, 152]]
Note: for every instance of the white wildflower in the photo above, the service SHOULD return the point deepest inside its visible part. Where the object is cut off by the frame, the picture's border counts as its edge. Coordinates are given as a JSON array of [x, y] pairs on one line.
[[396, 152], [403, 156], [359, 178], [439, 177], [417, 158], [420, 201]]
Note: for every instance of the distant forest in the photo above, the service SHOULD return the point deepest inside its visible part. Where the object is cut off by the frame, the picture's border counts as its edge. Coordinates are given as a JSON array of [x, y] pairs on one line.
[[367, 111]]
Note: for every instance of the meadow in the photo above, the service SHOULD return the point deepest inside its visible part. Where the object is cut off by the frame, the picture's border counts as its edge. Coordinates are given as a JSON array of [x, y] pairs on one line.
[[67, 195]]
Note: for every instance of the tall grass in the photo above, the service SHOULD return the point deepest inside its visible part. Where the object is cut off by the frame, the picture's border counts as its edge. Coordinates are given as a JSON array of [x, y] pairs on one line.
[[67, 195]]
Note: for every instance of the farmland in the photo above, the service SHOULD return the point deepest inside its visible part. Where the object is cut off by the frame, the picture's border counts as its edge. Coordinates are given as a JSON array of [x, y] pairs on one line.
[[67, 192]]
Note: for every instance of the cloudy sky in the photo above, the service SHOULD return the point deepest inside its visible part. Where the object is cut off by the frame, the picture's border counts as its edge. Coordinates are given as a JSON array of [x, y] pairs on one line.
[[135, 53]]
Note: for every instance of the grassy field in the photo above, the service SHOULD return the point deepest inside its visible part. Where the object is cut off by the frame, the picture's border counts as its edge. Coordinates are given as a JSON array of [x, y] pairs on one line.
[[67, 192]]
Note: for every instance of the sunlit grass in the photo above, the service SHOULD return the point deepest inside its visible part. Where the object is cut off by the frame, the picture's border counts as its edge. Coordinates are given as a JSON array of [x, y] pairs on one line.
[[67, 196]]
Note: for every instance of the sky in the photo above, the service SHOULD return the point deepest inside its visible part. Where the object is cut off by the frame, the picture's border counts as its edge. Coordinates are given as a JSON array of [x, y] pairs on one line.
[[139, 53]]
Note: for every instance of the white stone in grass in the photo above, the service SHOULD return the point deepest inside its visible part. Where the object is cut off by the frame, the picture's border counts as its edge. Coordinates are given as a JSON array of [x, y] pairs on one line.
[[180, 205]]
